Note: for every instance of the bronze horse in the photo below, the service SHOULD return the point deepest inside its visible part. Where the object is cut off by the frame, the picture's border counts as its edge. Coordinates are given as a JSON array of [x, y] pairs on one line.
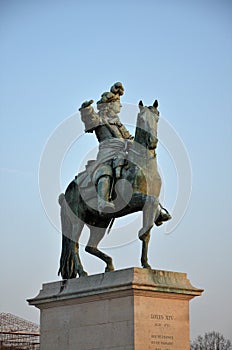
[[138, 189]]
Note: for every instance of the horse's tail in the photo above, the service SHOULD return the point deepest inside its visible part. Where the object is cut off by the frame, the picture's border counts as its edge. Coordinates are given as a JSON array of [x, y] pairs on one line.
[[68, 254]]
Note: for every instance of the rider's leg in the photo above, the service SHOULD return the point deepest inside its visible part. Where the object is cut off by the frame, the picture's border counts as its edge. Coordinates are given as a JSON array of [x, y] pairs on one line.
[[103, 178], [104, 189]]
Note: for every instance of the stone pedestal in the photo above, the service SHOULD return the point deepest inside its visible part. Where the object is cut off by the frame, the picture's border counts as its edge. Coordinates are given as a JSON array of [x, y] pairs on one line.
[[131, 309]]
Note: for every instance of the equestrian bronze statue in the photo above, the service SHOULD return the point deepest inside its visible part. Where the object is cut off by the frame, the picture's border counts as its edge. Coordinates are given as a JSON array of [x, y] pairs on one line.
[[123, 179]]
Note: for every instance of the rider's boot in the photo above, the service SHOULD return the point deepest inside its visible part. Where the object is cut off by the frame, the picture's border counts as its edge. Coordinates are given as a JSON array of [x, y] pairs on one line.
[[163, 216], [103, 190]]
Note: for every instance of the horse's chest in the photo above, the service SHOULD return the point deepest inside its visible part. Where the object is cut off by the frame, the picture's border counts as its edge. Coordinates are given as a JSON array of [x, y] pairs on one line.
[[145, 178]]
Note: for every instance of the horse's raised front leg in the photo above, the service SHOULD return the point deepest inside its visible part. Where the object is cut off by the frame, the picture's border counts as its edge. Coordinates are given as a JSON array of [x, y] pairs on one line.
[[144, 258], [149, 214], [96, 235]]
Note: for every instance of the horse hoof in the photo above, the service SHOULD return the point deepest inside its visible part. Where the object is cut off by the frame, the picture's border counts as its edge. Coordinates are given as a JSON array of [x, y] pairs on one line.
[[83, 274], [147, 266], [109, 268]]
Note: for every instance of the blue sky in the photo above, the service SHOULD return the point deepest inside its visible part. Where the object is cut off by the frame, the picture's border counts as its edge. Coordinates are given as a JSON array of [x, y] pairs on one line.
[[55, 55]]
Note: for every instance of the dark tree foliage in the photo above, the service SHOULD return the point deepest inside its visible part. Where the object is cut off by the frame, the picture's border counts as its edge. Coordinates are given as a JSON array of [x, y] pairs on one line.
[[211, 341]]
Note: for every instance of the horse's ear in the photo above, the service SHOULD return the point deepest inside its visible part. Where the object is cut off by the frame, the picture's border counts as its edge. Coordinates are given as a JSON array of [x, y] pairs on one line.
[[155, 104], [140, 104]]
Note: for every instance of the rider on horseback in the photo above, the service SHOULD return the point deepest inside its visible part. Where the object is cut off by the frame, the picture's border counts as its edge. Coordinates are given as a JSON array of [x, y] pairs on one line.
[[114, 141]]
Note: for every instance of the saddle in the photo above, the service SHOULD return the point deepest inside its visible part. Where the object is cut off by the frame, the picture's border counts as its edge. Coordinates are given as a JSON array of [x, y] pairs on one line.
[[84, 180]]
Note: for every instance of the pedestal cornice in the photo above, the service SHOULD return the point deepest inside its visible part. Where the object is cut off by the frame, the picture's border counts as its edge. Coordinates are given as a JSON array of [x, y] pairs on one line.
[[131, 281]]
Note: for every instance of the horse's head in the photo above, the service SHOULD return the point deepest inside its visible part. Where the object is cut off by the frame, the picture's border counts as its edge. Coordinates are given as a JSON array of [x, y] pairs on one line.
[[146, 130]]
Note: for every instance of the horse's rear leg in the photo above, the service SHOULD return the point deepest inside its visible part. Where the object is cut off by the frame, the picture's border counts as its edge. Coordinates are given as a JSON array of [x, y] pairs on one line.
[[77, 229], [96, 235]]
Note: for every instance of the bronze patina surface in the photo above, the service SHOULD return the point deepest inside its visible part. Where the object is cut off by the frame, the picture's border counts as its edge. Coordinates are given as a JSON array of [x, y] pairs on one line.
[[123, 179]]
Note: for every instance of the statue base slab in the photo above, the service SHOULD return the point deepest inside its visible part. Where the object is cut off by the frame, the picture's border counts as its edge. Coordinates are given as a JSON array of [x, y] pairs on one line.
[[131, 309]]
